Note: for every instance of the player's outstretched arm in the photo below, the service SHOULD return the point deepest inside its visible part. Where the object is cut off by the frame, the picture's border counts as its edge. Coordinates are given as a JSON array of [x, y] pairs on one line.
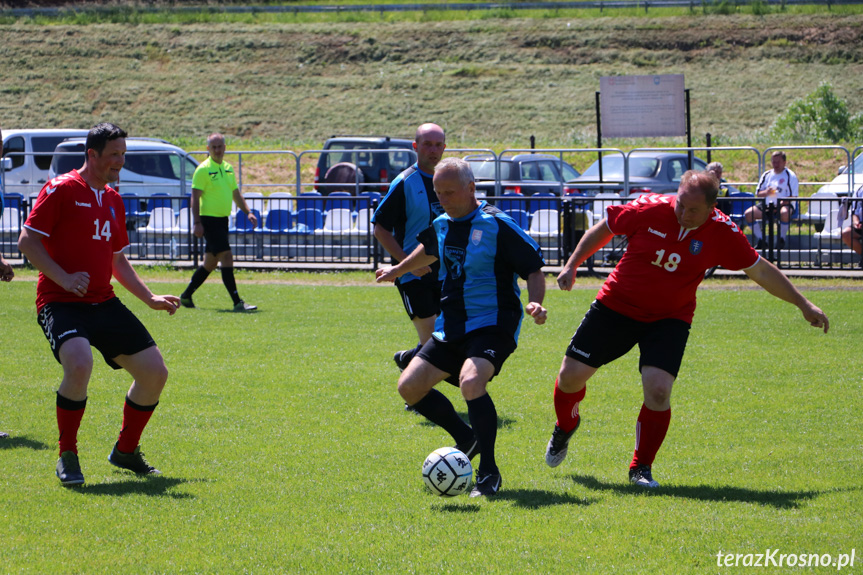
[[592, 240], [535, 296], [413, 263], [129, 279], [774, 281]]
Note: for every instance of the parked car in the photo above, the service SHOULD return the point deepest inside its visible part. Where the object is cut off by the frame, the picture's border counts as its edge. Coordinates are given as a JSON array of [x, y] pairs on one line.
[[27, 157], [839, 184], [349, 160], [525, 174], [649, 172], [152, 166]]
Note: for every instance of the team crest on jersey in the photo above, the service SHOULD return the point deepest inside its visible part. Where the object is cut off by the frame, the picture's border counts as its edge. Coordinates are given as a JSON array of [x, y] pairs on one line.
[[476, 237], [695, 247], [454, 258]]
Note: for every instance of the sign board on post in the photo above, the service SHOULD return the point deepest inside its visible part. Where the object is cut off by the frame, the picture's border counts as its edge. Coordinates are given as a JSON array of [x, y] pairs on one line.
[[642, 106]]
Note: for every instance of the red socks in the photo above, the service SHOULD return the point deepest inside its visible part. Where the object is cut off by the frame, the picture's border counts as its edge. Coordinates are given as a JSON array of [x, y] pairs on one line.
[[69, 414], [135, 418], [566, 407], [650, 430]]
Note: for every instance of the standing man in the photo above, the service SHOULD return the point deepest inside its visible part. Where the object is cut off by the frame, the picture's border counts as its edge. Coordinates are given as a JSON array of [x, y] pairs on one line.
[[775, 184], [6, 271], [484, 252], [74, 236], [409, 207], [213, 188], [649, 300]]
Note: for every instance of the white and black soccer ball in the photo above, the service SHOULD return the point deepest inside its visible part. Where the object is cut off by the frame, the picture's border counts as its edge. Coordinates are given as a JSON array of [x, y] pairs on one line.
[[447, 471]]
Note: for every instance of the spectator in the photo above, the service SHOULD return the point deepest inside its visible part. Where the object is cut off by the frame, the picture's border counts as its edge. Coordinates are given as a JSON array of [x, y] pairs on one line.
[[213, 187], [649, 300], [483, 252], [853, 234], [76, 304], [775, 184], [409, 207]]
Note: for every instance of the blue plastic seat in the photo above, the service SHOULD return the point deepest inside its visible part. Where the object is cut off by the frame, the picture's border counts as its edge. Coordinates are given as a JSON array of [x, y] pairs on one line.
[[242, 224], [310, 200], [521, 217], [276, 222], [543, 204], [338, 201], [307, 220]]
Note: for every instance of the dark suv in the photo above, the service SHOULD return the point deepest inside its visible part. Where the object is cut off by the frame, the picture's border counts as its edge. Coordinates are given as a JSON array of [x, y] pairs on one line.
[[370, 161], [525, 174]]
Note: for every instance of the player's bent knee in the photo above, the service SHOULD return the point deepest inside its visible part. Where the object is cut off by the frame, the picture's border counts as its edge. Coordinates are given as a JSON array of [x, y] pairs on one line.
[[473, 387]]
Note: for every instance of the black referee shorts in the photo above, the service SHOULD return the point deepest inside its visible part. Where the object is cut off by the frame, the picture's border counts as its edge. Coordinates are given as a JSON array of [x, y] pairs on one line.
[[109, 327], [605, 335], [215, 234]]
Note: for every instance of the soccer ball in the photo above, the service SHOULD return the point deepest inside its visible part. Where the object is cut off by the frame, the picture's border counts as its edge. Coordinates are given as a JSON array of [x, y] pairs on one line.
[[447, 471]]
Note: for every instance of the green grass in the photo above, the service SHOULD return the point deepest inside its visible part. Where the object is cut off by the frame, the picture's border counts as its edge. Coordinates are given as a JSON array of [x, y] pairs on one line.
[[285, 448]]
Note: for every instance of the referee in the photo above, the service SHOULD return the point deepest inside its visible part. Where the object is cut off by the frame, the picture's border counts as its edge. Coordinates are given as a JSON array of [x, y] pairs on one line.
[[213, 187]]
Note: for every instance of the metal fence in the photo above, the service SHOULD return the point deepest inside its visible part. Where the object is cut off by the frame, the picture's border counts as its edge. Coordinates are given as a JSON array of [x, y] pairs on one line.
[[310, 228]]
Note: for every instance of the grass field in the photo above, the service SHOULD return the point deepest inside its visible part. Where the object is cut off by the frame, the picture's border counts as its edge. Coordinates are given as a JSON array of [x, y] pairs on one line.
[[284, 447]]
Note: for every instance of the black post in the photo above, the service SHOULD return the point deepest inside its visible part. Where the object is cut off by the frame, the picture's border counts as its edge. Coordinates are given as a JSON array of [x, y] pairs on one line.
[[708, 146], [532, 142], [688, 128], [599, 137]]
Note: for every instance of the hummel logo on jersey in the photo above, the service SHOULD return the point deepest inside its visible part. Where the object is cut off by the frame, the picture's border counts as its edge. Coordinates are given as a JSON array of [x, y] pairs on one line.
[[658, 233], [83, 205], [489, 352]]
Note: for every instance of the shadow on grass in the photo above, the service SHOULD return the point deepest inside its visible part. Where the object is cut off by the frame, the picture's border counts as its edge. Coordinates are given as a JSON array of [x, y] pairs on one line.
[[154, 486], [455, 507], [777, 499], [538, 498], [16, 442], [502, 421]]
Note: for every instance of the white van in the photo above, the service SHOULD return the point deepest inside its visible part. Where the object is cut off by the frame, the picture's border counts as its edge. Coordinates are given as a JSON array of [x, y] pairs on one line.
[[27, 157], [152, 166]]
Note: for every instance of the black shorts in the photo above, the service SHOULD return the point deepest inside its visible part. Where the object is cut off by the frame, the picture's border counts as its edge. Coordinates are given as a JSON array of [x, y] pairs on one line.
[[421, 298], [792, 205], [109, 327], [488, 343], [605, 335], [215, 234]]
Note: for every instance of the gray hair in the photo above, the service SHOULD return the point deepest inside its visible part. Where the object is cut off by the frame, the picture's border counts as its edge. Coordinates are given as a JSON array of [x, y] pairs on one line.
[[457, 165], [713, 166]]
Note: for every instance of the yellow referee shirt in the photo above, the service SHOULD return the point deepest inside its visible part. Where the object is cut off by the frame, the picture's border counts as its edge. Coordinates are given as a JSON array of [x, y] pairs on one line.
[[217, 182]]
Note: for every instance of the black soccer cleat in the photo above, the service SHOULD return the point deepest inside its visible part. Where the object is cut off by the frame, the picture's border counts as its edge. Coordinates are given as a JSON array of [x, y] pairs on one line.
[[486, 485], [187, 302], [3, 435], [641, 476], [132, 461], [469, 448], [558, 445], [403, 358], [69, 470], [243, 307]]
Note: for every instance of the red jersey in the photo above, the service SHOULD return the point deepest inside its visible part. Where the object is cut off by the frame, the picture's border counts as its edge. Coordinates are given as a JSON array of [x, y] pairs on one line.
[[664, 262], [83, 229]]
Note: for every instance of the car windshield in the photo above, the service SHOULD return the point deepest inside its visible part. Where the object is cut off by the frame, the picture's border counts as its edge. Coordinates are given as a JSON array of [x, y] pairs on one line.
[[612, 168], [484, 169], [68, 159], [154, 164]]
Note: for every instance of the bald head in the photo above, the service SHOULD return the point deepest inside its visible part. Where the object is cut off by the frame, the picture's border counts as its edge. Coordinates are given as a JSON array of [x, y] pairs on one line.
[[429, 145], [216, 147]]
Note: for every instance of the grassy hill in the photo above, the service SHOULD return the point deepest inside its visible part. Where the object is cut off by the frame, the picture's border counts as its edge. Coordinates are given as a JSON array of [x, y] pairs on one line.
[[278, 81]]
